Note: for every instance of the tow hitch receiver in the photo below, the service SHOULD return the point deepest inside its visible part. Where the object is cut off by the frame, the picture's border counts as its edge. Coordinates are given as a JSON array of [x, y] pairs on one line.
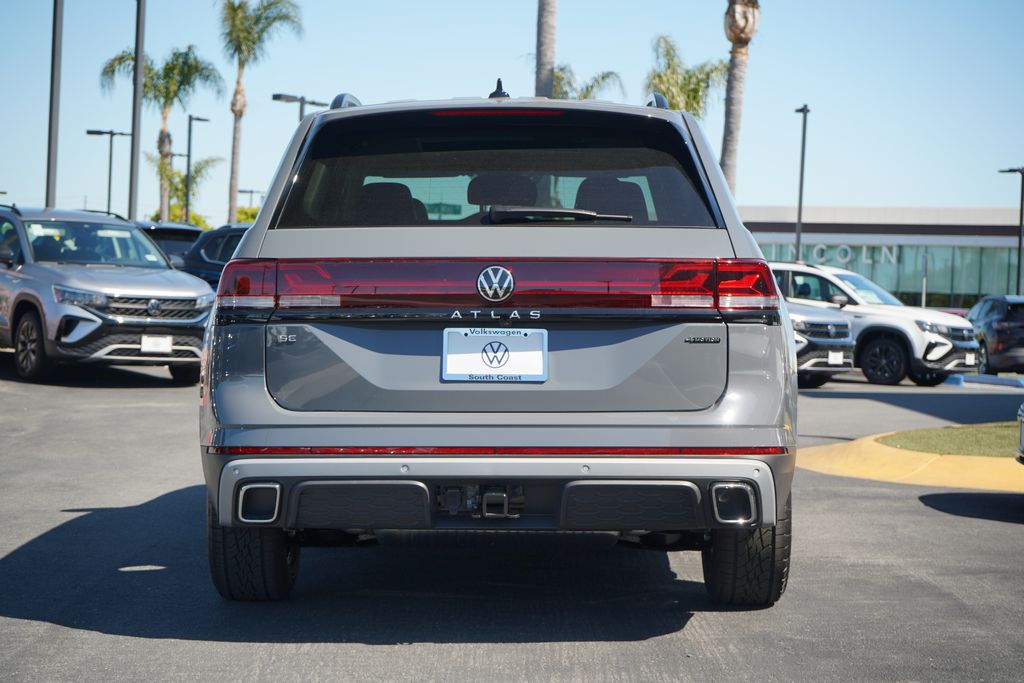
[[495, 504], [488, 501]]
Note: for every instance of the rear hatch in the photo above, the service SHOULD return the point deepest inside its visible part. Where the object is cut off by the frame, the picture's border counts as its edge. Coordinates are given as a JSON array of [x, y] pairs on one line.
[[524, 260]]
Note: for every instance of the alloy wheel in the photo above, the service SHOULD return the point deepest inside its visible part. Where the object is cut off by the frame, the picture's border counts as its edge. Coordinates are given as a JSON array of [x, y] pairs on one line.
[[27, 347]]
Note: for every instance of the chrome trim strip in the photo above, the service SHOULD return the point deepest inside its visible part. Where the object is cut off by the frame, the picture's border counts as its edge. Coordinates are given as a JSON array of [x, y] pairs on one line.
[[277, 502], [107, 351], [496, 467]]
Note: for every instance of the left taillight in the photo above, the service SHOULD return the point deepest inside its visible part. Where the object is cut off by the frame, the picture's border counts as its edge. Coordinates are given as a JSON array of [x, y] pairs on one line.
[[248, 284]]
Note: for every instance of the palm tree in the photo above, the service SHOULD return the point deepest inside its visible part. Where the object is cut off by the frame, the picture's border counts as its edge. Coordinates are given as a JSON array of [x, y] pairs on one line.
[[684, 87], [246, 30], [566, 87], [740, 26], [176, 181], [173, 82], [547, 11]]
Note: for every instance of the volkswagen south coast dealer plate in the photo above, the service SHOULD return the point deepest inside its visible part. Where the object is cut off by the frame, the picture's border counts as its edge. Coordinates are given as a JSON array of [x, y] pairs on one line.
[[487, 354]]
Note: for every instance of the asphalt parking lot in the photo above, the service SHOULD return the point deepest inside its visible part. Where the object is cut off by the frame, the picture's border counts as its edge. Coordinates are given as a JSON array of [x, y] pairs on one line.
[[103, 569]]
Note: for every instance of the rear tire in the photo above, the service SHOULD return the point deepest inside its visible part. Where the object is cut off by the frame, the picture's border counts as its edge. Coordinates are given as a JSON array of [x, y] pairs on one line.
[[250, 563], [884, 361], [811, 380], [185, 374], [749, 567], [30, 360], [983, 364], [928, 379]]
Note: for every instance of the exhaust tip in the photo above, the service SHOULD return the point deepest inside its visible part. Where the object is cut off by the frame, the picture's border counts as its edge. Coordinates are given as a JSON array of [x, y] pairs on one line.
[[259, 503], [734, 502]]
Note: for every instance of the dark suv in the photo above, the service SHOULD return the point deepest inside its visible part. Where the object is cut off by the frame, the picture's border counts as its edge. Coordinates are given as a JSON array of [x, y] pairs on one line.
[[501, 315], [999, 327], [212, 250]]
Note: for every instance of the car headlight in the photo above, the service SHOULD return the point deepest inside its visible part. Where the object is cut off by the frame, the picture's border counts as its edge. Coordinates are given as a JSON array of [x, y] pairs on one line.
[[932, 327], [205, 300], [79, 297], [799, 325]]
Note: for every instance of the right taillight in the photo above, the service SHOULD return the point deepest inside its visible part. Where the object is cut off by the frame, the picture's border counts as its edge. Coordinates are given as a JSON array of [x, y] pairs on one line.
[[746, 284], [248, 283]]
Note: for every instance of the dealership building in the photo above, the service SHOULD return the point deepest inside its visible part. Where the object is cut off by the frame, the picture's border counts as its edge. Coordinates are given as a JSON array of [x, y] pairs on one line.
[[964, 253]]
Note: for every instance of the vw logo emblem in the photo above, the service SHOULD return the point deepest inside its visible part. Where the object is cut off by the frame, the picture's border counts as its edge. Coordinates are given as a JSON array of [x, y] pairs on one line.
[[495, 283], [831, 330], [153, 307], [495, 354]]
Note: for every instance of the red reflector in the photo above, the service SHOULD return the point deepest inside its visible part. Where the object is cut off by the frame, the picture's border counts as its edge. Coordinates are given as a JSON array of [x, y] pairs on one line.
[[248, 283], [497, 112], [489, 450]]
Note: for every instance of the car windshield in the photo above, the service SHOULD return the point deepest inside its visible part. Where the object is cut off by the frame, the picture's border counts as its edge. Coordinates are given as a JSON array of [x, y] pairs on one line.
[[868, 290], [174, 245], [456, 166], [92, 244]]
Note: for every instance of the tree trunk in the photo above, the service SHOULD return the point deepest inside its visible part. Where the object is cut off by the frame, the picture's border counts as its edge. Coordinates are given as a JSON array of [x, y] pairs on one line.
[[547, 11], [238, 105], [733, 112], [163, 147]]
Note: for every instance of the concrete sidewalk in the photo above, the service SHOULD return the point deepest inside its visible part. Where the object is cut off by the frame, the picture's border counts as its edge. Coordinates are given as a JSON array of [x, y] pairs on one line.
[[867, 458]]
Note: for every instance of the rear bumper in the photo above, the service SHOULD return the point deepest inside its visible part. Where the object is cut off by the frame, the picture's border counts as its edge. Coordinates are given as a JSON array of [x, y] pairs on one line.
[[572, 493], [1010, 360]]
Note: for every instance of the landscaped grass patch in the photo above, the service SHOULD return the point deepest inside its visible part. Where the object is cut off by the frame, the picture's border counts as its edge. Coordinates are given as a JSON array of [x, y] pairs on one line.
[[997, 439]]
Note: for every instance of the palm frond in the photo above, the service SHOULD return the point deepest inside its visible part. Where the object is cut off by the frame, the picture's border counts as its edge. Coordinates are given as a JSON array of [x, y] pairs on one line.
[[686, 88], [246, 29], [591, 88], [123, 64]]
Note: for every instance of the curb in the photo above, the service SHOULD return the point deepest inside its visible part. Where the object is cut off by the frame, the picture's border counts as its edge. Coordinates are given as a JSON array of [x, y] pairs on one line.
[[866, 458]]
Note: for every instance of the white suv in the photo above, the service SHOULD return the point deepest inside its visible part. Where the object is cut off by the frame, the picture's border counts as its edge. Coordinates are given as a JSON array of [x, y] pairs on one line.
[[893, 341]]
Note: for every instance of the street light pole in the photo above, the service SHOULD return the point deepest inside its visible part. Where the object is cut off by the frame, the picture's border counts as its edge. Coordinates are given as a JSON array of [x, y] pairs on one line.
[[138, 71], [188, 165], [51, 141], [805, 110], [1020, 227], [301, 99], [110, 157]]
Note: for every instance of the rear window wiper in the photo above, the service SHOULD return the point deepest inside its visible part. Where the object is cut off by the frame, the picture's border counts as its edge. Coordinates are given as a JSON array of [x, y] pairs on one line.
[[511, 214]]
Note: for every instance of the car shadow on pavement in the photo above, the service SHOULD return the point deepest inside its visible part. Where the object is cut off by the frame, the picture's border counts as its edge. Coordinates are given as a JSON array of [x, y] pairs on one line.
[[999, 507], [960, 406], [91, 376], [142, 571]]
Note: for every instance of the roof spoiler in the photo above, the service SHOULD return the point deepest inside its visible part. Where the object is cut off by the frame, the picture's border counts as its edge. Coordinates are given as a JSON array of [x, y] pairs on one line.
[[345, 99]]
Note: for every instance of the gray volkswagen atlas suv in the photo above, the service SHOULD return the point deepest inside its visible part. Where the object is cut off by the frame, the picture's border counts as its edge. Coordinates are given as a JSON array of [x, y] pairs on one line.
[[77, 287], [505, 315]]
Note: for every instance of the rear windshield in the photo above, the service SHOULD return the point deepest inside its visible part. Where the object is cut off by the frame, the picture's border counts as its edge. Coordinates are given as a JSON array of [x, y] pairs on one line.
[[1015, 313], [452, 166]]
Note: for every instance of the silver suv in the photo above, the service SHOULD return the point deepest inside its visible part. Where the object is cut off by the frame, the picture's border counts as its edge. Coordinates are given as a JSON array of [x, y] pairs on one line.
[[824, 345], [76, 286], [893, 341], [504, 315]]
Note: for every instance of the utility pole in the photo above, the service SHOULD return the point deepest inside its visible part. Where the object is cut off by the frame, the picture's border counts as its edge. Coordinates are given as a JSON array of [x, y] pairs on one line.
[[800, 197], [51, 142], [188, 165], [1020, 227], [139, 71]]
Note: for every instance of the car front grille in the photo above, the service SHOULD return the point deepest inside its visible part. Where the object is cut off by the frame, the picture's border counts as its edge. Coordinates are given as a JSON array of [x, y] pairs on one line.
[[138, 307], [827, 330], [961, 334]]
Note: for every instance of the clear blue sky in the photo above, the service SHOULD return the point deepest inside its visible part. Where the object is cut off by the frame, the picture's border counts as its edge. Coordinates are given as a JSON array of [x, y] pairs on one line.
[[913, 103]]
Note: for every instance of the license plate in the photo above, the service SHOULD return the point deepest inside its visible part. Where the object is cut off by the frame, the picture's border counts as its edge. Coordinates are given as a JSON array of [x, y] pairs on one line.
[[489, 354], [835, 357], [156, 344], [969, 360]]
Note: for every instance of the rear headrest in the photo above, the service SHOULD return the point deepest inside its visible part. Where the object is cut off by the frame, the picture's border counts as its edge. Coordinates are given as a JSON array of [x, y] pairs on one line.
[[386, 204], [612, 196], [503, 189]]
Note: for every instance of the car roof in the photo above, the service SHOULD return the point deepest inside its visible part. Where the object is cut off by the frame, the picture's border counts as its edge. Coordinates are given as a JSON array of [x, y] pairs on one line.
[[793, 265], [1008, 298], [174, 229], [50, 214]]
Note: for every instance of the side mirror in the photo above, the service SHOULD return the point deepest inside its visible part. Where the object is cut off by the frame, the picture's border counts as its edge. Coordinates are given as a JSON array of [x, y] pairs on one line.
[[176, 261], [6, 256], [840, 300]]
